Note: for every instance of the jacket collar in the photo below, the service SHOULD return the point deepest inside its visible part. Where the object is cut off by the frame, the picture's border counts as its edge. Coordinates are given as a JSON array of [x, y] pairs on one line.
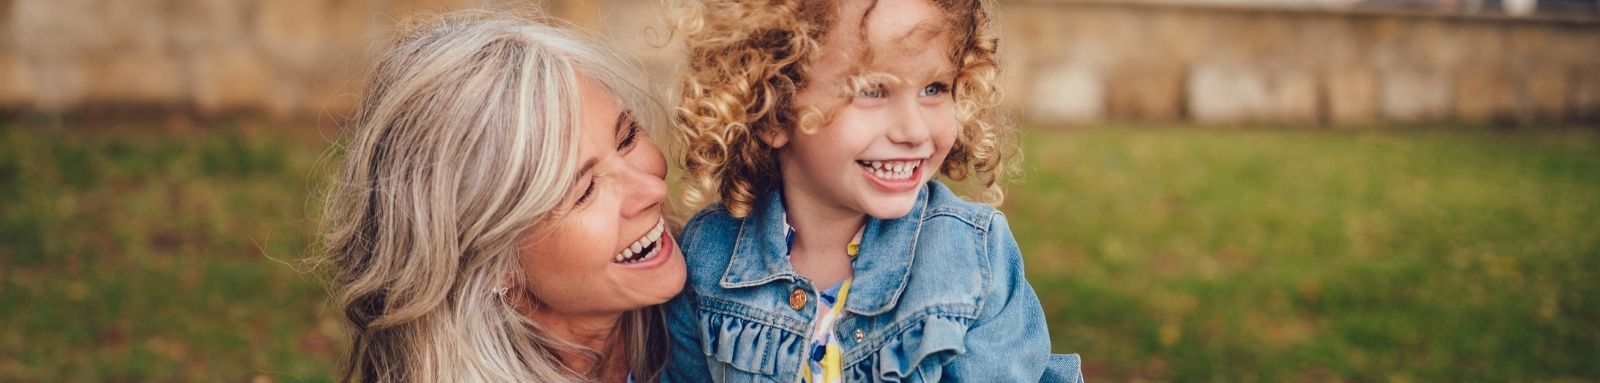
[[881, 268]]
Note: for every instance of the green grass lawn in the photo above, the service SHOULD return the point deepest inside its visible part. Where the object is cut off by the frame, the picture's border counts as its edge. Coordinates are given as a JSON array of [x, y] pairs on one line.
[[1186, 254], [1256, 255]]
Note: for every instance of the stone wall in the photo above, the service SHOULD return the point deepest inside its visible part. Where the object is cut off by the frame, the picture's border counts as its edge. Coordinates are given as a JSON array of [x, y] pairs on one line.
[[1089, 61], [285, 58], [1066, 61]]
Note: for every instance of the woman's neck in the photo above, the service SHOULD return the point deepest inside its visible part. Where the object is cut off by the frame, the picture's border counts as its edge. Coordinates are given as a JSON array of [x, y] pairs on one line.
[[599, 333]]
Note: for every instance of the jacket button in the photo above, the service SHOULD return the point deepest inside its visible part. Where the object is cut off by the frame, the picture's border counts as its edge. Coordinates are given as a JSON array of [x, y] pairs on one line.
[[797, 299], [858, 335]]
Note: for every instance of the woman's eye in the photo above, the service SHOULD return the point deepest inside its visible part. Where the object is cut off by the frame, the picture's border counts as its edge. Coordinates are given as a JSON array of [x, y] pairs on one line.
[[631, 137], [934, 89], [587, 192]]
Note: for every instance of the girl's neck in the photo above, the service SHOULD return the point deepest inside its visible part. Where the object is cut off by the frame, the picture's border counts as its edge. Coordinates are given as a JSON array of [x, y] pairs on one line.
[[818, 225], [821, 234]]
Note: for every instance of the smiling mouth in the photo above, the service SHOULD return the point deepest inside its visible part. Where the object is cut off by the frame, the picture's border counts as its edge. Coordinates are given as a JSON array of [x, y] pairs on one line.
[[891, 170], [645, 247]]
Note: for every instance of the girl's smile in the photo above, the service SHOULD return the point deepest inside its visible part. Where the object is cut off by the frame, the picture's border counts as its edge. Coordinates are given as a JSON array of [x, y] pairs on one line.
[[893, 176]]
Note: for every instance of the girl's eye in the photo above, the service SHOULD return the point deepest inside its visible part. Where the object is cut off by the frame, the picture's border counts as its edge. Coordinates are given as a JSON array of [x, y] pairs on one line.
[[874, 91], [934, 89]]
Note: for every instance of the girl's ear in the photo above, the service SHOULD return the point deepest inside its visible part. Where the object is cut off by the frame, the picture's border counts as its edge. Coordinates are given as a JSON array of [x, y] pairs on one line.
[[775, 138]]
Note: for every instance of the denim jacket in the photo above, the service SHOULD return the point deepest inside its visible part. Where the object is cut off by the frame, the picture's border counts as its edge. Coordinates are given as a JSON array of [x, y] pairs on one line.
[[937, 295]]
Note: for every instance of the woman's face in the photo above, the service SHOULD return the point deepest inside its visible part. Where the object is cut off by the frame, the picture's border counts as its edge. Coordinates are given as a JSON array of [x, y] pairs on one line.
[[610, 251]]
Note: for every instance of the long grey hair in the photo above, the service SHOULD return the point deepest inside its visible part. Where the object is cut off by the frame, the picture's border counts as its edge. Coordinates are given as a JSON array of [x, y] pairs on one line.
[[465, 140]]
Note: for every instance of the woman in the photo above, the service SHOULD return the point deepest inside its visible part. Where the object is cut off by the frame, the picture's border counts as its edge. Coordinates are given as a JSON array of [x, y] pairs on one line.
[[499, 215]]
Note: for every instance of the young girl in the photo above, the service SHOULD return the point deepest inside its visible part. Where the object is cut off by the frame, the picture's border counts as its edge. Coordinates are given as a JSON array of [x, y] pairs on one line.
[[831, 254]]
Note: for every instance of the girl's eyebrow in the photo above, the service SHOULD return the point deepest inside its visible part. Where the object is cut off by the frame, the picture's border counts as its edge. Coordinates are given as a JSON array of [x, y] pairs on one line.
[[926, 30]]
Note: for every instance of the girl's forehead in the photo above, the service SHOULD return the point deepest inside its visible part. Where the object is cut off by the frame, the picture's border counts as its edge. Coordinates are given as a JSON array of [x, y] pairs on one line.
[[901, 37], [889, 21]]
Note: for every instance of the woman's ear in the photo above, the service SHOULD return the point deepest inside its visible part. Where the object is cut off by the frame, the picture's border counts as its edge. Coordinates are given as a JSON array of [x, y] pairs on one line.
[[775, 138]]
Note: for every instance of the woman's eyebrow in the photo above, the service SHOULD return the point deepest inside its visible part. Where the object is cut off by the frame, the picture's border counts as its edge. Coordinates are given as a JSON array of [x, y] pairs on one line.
[[589, 164], [622, 117]]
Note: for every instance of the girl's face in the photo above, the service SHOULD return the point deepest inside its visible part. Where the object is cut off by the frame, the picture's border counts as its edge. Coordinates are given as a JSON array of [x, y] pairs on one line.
[[610, 252], [888, 137]]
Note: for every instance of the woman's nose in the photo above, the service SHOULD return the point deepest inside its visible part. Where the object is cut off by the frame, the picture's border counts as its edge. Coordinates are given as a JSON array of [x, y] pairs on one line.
[[646, 182]]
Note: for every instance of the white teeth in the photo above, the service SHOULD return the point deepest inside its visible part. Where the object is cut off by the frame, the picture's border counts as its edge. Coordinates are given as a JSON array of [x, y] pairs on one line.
[[637, 248], [893, 170]]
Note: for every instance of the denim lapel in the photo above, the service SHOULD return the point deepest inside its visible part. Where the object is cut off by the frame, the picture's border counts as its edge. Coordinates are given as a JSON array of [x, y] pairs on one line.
[[883, 266], [759, 250], [881, 269]]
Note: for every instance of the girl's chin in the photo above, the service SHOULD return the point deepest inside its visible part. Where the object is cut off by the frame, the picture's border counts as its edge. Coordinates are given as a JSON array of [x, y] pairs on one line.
[[890, 208]]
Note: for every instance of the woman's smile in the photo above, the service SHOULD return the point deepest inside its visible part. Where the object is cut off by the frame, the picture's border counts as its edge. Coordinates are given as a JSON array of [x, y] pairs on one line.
[[650, 250]]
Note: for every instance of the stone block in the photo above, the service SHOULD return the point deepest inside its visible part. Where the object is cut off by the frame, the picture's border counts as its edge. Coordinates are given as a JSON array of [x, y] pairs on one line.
[[332, 100], [1145, 92], [56, 84], [137, 77], [1485, 94], [1222, 93], [293, 32], [15, 89], [1415, 94], [304, 35], [1545, 92], [6, 21], [1219, 93], [202, 25], [1067, 92], [237, 79], [1586, 93], [403, 9], [1351, 94], [1297, 96]]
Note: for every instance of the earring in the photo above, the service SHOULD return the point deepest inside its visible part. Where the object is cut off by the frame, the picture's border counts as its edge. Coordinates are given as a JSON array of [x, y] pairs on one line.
[[500, 291]]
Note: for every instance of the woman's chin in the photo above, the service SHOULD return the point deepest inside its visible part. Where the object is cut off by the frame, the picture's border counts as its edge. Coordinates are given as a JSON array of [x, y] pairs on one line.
[[658, 278]]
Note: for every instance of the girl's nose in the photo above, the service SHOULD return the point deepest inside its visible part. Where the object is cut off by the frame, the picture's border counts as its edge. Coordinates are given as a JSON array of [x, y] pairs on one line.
[[909, 127]]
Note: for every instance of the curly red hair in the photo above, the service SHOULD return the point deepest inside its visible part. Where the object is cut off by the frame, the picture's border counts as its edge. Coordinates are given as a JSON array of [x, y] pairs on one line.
[[749, 59]]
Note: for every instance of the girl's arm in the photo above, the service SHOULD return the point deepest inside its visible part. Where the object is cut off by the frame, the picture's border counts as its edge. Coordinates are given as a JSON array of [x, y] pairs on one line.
[[687, 362], [1010, 341]]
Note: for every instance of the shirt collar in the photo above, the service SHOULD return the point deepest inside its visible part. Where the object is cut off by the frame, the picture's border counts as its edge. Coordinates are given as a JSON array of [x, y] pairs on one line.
[[881, 268]]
